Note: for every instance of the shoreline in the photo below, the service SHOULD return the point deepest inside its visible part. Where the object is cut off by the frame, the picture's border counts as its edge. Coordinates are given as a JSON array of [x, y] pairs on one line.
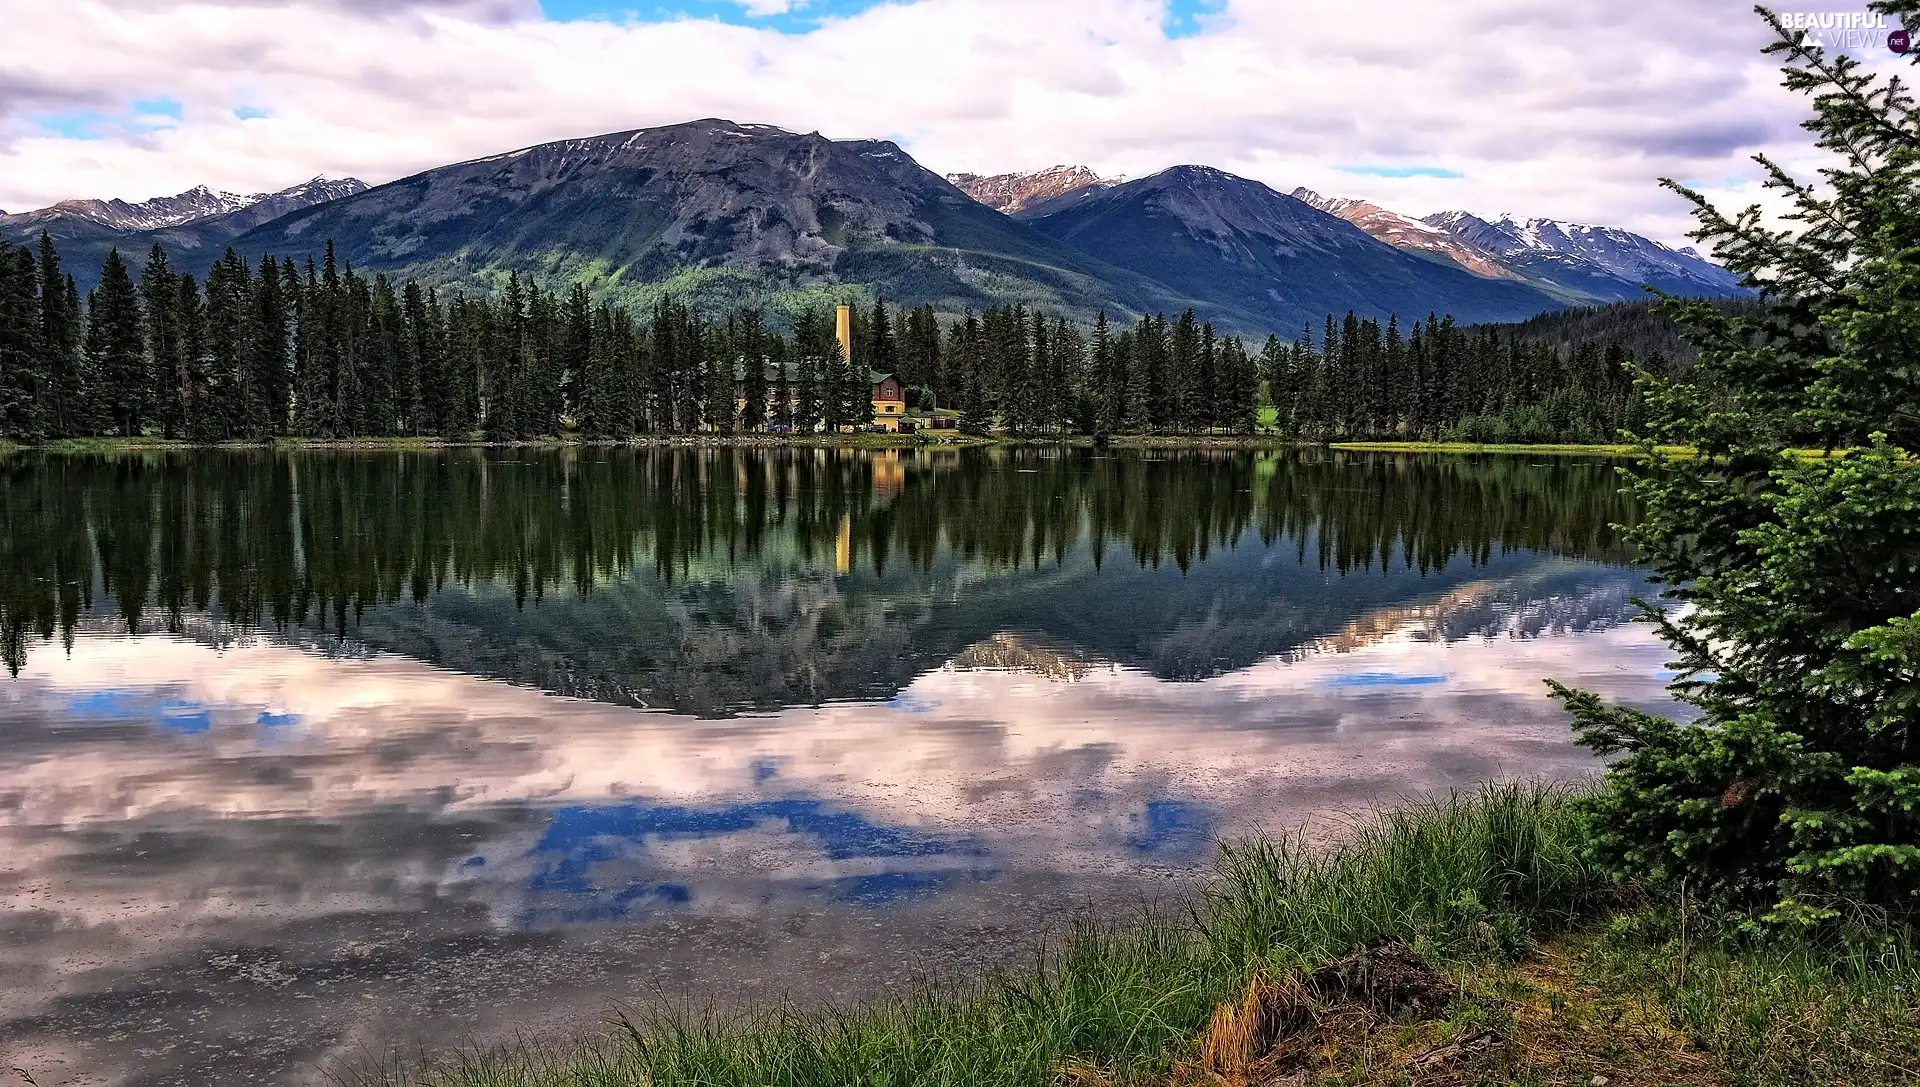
[[116, 445], [1550, 449]]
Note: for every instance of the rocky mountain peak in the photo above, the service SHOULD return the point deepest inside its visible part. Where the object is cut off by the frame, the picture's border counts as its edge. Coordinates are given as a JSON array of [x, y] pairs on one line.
[[1010, 193], [192, 206], [1593, 263], [1410, 234]]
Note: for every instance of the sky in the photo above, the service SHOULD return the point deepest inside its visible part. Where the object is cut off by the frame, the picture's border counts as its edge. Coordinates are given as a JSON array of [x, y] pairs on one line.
[[1567, 109]]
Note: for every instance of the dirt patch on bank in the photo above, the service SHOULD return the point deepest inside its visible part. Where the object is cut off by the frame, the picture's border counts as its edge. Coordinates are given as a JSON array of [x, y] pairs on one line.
[[1383, 1016]]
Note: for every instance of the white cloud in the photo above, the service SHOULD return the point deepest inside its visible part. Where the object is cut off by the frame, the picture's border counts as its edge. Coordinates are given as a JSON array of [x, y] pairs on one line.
[[1569, 110]]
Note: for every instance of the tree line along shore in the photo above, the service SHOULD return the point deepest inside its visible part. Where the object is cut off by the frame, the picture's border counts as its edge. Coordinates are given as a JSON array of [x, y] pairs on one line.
[[315, 349]]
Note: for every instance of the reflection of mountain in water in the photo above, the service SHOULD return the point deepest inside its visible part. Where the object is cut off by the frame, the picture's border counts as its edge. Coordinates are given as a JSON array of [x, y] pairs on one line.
[[1551, 600], [1008, 652], [713, 580]]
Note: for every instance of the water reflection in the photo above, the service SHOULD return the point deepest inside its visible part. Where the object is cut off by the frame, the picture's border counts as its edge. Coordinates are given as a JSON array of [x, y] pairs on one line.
[[715, 580], [307, 756]]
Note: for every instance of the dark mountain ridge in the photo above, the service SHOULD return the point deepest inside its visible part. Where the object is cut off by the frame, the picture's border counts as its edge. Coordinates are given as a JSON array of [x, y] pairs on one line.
[[713, 210], [1209, 234]]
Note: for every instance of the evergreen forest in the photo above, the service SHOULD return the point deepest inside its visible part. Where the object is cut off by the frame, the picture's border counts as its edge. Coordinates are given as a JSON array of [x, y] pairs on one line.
[[282, 348]]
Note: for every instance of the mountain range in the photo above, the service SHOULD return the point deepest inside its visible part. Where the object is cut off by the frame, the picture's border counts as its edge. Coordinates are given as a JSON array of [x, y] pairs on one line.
[[187, 225], [1574, 263], [1571, 263], [721, 214], [1235, 242]]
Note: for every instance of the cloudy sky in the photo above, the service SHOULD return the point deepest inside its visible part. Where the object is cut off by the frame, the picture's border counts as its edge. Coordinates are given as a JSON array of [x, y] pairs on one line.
[[1563, 108]]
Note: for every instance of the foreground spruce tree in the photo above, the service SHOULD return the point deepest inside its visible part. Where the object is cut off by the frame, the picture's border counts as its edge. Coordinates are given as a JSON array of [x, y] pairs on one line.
[[1795, 793]]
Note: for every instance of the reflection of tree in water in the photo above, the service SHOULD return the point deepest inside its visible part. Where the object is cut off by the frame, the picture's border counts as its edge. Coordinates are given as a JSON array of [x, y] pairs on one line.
[[807, 548]]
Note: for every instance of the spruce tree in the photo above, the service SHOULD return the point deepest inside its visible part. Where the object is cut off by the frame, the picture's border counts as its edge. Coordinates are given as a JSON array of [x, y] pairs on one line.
[[116, 352], [424, 402], [232, 402], [720, 366], [1150, 344], [751, 347], [23, 358], [1795, 791], [1239, 385], [387, 380], [269, 360], [193, 415], [575, 354], [66, 404], [1186, 394], [159, 305], [877, 348], [311, 397]]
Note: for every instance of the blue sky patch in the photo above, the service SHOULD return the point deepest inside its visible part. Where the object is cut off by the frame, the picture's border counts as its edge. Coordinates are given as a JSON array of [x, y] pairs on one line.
[[1400, 171], [77, 125], [1189, 18], [156, 107], [141, 115], [251, 113], [800, 17]]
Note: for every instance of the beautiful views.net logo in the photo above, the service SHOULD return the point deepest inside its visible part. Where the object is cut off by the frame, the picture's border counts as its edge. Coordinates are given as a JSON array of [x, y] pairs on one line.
[[1849, 31]]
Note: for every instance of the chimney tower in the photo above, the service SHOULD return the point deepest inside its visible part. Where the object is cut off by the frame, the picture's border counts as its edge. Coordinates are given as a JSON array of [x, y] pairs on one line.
[[843, 330]]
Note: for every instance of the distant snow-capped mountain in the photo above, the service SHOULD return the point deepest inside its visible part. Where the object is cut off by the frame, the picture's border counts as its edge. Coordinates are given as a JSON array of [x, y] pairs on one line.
[[1410, 234], [262, 207], [1600, 262], [1573, 262], [198, 219], [197, 203], [1009, 193]]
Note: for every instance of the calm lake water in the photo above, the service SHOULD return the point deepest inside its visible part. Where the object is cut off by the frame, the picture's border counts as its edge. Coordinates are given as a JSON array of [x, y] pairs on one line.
[[308, 759]]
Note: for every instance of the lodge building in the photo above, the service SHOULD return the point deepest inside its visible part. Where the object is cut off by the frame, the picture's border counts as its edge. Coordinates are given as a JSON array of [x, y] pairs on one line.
[[891, 412]]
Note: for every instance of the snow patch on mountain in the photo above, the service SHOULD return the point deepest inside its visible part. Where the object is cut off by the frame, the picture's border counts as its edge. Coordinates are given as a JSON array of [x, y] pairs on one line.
[[197, 203], [1410, 234], [1591, 251]]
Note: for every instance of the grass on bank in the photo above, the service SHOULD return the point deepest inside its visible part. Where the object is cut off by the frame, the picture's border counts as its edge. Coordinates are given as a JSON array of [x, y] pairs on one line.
[[1559, 981], [1477, 447]]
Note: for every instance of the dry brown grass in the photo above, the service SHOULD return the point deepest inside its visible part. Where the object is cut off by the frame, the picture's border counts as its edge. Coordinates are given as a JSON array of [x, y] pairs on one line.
[[1534, 1024]]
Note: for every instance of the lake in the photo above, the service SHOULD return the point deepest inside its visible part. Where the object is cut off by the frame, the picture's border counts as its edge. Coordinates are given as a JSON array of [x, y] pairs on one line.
[[308, 759]]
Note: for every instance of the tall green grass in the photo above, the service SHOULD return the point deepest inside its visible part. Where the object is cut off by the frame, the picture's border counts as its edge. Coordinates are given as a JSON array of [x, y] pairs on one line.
[[1477, 872], [1778, 1009], [1460, 874]]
